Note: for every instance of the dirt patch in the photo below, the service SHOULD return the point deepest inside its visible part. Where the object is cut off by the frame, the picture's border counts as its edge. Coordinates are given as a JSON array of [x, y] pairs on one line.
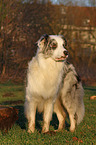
[[8, 95], [13, 102]]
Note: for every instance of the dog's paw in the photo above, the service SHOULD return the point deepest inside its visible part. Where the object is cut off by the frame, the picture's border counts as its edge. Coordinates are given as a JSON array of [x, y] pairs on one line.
[[44, 131], [58, 130], [72, 129], [45, 128], [30, 131]]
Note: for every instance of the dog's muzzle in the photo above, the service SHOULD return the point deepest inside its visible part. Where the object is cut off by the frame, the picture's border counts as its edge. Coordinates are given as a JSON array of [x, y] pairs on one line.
[[63, 57]]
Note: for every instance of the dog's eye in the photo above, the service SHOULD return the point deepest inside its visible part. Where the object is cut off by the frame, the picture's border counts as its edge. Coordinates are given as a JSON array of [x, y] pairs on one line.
[[54, 46]]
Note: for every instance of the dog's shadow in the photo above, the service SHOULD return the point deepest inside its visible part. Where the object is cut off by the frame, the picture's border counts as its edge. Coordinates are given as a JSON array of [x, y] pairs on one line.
[[39, 121], [23, 123], [55, 122], [21, 117]]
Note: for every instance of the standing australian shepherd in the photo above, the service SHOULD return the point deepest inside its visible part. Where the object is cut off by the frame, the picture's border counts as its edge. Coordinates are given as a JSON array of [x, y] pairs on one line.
[[53, 85]]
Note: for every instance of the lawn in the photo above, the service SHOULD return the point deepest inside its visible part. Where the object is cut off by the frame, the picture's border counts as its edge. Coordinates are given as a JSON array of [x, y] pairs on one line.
[[85, 133]]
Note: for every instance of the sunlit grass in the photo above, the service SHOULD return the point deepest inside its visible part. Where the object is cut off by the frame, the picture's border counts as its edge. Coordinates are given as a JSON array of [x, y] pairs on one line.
[[85, 133]]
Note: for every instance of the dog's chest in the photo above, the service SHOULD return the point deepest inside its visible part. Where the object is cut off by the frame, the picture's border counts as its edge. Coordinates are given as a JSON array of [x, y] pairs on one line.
[[45, 81]]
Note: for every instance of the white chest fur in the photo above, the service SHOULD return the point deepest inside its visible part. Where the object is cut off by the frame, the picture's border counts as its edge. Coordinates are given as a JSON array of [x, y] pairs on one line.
[[44, 77]]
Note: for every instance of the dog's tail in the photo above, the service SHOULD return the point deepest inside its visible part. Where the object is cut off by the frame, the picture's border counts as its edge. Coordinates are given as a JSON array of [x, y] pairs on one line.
[[80, 111]]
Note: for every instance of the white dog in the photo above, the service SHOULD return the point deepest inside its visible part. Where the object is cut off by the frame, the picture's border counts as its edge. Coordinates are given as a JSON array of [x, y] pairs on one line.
[[52, 83]]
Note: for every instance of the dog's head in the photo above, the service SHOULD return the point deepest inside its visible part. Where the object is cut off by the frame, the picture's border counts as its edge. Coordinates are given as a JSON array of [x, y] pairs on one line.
[[53, 46]]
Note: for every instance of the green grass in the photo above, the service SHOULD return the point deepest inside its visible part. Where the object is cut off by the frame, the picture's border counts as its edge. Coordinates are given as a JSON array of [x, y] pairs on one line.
[[85, 133]]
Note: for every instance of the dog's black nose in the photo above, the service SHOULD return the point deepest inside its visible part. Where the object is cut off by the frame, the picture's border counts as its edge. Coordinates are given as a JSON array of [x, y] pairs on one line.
[[66, 52]]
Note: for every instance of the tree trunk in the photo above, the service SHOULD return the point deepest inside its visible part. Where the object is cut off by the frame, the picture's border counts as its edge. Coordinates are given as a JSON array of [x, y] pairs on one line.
[[3, 70]]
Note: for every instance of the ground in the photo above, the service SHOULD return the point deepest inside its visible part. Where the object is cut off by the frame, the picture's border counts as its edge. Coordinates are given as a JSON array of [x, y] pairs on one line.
[[85, 133]]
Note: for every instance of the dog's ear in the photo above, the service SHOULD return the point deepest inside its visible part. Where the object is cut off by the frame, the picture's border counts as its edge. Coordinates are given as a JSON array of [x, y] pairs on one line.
[[65, 41], [45, 36], [42, 42]]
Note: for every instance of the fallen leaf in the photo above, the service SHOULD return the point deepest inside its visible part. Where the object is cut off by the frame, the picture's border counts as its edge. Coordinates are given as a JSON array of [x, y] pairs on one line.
[[75, 138], [93, 98], [80, 141]]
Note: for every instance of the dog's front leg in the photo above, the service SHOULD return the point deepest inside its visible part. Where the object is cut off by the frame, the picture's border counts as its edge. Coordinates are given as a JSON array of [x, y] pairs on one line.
[[48, 110], [31, 111]]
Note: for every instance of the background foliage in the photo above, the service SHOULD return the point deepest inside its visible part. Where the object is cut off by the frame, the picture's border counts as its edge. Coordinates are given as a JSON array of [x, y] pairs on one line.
[[22, 23]]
